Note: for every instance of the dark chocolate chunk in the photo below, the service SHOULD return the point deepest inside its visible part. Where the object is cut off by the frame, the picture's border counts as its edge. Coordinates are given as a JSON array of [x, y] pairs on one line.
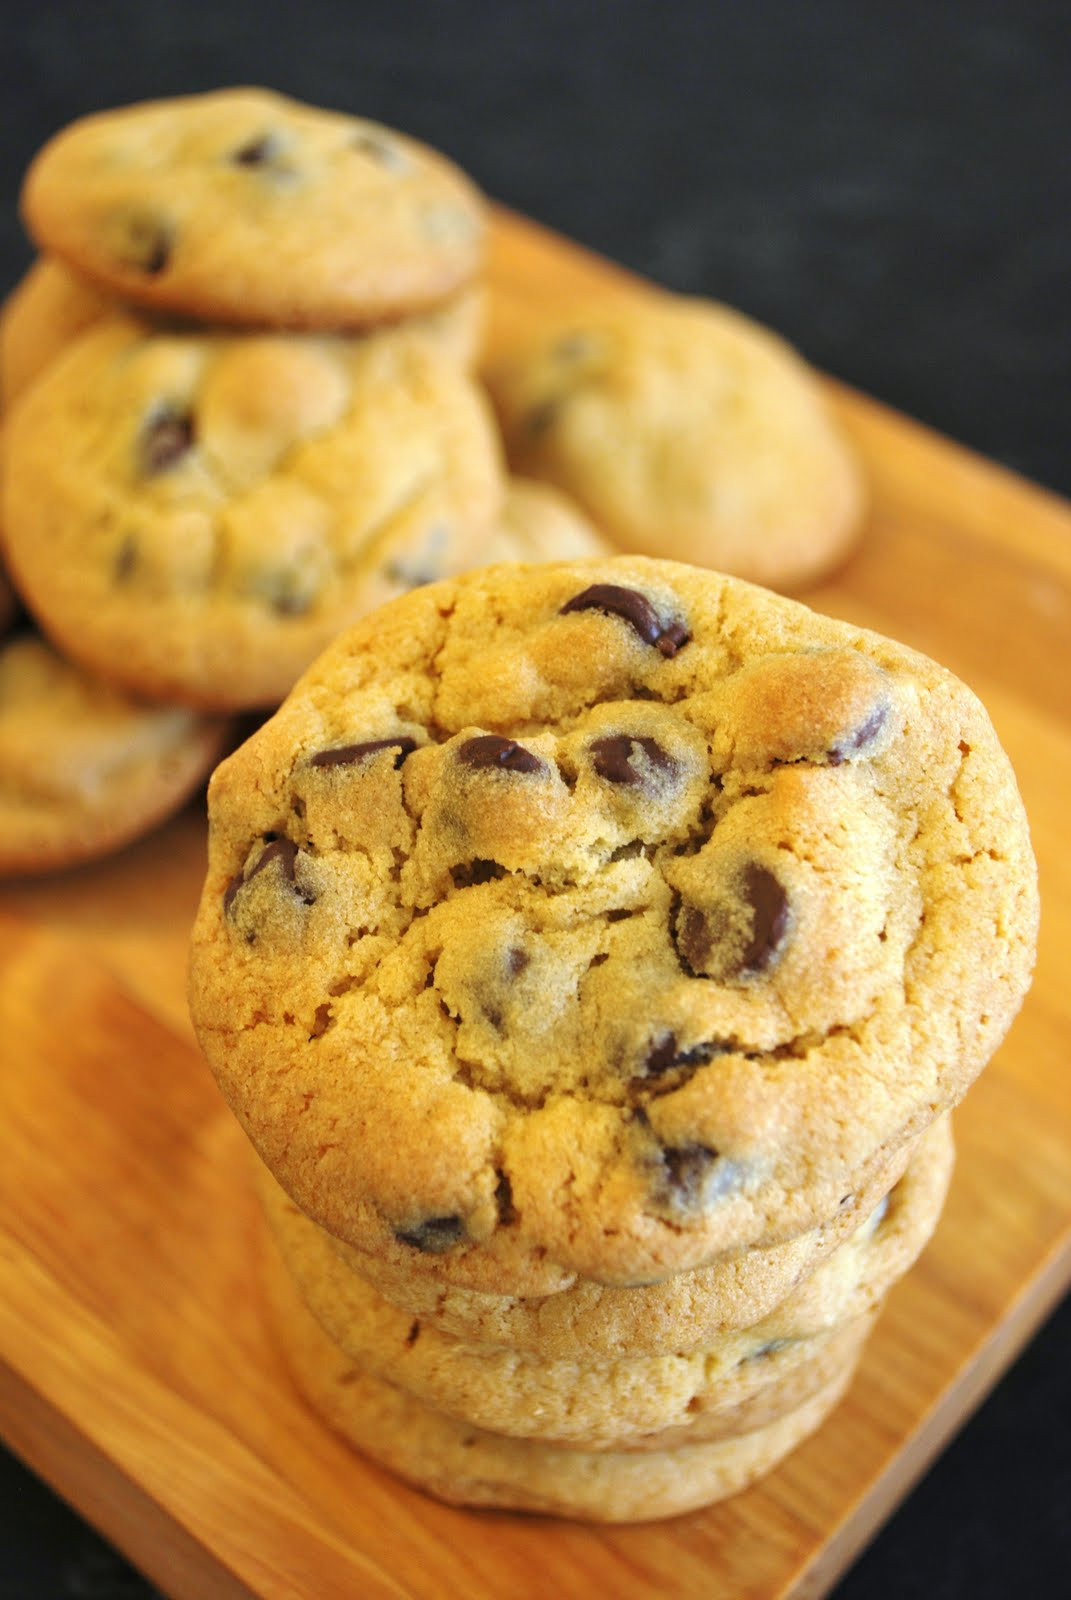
[[349, 755], [489, 750], [694, 941], [434, 1236], [636, 610], [769, 904], [166, 437], [858, 740], [516, 961], [612, 757], [285, 851]]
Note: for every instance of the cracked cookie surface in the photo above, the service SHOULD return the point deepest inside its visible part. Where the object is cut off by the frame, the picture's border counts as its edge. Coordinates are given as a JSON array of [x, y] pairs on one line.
[[243, 206], [195, 515], [600, 918], [683, 430]]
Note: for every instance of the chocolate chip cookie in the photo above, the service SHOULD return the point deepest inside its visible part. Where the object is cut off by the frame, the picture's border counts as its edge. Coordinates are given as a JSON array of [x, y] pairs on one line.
[[83, 767], [194, 515], [600, 918], [683, 430], [465, 1465], [242, 206]]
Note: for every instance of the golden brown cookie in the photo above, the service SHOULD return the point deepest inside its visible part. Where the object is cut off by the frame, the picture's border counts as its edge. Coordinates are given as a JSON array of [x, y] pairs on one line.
[[470, 1466], [194, 516], [605, 917], [83, 767], [683, 430], [243, 206]]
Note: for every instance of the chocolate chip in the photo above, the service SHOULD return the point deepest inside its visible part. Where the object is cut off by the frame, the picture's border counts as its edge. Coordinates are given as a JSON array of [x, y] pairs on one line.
[[543, 416], [259, 151], [636, 610], [145, 243], [687, 1168], [166, 437], [700, 935], [769, 904], [488, 750], [612, 757], [434, 1236], [867, 732], [349, 755], [664, 1056], [693, 1176], [285, 851], [516, 961]]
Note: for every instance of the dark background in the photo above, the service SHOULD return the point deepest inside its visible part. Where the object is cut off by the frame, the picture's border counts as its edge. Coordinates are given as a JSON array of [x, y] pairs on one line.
[[889, 185]]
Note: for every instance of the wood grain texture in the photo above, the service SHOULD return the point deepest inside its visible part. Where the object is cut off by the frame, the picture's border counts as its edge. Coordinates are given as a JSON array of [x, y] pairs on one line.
[[135, 1369]]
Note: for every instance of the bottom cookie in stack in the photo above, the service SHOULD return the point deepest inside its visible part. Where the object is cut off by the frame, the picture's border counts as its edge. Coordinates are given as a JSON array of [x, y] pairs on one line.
[[471, 1466], [566, 1434]]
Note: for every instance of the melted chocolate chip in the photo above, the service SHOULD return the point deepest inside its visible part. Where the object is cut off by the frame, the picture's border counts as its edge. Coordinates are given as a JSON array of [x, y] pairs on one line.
[[507, 1212], [516, 961], [612, 757], [488, 750], [166, 437], [636, 610], [769, 904], [434, 1236], [349, 755], [858, 740]]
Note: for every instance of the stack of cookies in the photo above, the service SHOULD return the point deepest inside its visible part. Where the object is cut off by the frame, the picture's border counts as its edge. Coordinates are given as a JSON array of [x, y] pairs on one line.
[[238, 414], [593, 954]]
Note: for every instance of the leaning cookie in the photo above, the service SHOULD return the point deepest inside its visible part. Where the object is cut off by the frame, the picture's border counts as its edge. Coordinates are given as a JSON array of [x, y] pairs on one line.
[[465, 1465], [683, 430], [84, 768], [539, 523], [610, 915], [243, 206], [194, 516], [53, 304], [739, 1378]]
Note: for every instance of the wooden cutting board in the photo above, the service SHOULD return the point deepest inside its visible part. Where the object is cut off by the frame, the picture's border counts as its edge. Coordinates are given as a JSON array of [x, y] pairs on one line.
[[135, 1370]]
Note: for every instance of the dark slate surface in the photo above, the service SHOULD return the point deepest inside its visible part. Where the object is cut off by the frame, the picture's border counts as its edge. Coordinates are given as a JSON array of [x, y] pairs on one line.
[[888, 185]]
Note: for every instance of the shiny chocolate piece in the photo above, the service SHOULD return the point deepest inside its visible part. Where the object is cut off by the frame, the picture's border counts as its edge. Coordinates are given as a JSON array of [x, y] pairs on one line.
[[285, 852], [613, 755], [700, 934], [491, 751], [165, 439], [636, 610], [434, 1236], [350, 755], [663, 1054]]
